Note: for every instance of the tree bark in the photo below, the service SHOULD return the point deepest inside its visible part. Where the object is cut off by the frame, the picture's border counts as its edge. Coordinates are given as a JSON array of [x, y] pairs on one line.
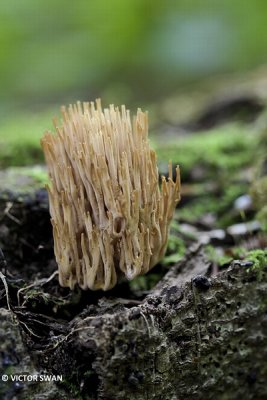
[[185, 340], [194, 336]]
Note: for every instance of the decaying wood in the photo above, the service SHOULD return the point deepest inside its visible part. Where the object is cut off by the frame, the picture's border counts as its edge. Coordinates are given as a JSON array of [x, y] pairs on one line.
[[191, 337], [204, 339], [15, 360], [181, 343], [25, 229]]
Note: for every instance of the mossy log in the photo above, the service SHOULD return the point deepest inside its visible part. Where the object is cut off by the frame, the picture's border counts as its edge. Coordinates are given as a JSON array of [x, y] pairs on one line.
[[25, 228], [180, 343], [194, 336]]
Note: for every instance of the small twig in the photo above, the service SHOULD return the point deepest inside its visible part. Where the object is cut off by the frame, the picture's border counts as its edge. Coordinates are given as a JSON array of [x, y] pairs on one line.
[[29, 330], [120, 300], [26, 243], [147, 324], [83, 328], [9, 205], [198, 319], [3, 263], [39, 282], [3, 278]]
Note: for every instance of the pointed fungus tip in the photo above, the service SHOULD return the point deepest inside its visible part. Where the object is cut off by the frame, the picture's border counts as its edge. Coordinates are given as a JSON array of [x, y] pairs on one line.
[[115, 223]]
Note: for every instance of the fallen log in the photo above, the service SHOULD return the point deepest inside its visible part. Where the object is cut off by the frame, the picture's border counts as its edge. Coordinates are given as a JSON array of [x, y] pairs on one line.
[[192, 336]]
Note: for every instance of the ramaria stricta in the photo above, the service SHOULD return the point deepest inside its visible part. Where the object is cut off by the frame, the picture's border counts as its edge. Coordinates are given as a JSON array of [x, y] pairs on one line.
[[108, 213]]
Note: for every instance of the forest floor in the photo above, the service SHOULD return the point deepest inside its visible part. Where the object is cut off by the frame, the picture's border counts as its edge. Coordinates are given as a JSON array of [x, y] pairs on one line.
[[222, 155]]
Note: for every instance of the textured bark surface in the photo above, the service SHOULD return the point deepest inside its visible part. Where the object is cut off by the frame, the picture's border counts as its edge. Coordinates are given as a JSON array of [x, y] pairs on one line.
[[192, 337], [25, 228], [15, 360], [181, 343]]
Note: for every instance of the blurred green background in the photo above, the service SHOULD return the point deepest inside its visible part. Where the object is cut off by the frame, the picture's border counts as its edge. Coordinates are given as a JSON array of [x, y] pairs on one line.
[[136, 52]]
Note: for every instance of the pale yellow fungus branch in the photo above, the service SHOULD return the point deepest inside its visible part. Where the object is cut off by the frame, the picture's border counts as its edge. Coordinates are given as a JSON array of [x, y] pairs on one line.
[[108, 213]]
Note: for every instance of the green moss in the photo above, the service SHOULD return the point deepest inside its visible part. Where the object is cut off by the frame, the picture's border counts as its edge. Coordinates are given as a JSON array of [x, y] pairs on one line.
[[23, 179], [176, 247], [259, 193], [37, 173], [258, 257], [145, 282], [262, 217], [171, 259], [20, 138], [218, 204], [223, 155], [223, 150], [214, 257]]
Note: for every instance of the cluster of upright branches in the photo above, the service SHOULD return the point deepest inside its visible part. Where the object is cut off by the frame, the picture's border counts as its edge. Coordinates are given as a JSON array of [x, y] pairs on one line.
[[109, 215]]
